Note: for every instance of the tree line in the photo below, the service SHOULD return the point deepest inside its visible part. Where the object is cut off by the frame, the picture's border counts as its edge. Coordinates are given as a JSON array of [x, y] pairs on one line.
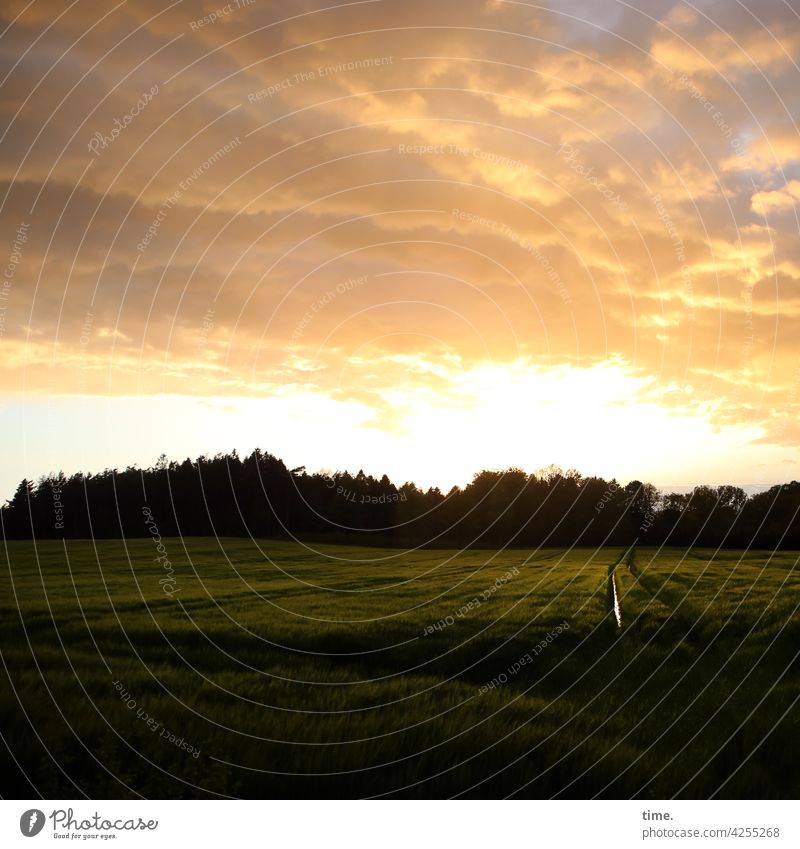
[[259, 495]]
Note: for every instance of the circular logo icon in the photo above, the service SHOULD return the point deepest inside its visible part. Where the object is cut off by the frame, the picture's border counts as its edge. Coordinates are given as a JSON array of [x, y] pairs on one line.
[[31, 822]]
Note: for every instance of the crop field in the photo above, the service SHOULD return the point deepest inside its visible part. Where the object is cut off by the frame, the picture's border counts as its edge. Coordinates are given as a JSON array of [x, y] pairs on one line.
[[233, 668]]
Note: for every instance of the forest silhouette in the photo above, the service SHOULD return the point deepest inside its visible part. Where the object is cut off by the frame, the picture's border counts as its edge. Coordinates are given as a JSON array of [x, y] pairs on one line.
[[259, 496]]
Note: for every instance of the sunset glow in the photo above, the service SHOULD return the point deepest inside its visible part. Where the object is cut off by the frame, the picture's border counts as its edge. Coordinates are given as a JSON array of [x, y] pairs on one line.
[[363, 236]]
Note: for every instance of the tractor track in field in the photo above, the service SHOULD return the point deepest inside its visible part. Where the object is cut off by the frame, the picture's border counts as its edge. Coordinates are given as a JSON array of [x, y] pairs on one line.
[[614, 591], [613, 594], [614, 603]]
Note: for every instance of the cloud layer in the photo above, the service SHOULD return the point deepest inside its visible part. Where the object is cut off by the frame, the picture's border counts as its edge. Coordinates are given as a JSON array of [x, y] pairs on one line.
[[368, 201]]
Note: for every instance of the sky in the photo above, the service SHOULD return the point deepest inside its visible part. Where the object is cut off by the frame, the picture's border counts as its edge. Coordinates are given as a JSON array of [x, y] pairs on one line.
[[414, 238]]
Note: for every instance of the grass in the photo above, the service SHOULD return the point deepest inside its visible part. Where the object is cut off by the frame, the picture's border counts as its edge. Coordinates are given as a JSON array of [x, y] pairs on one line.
[[348, 672]]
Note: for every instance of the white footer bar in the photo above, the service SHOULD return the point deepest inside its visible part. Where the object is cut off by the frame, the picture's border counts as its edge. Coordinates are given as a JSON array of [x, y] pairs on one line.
[[402, 824]]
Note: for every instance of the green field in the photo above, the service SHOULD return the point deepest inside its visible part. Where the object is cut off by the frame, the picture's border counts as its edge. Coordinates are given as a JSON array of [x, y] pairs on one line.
[[278, 670]]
